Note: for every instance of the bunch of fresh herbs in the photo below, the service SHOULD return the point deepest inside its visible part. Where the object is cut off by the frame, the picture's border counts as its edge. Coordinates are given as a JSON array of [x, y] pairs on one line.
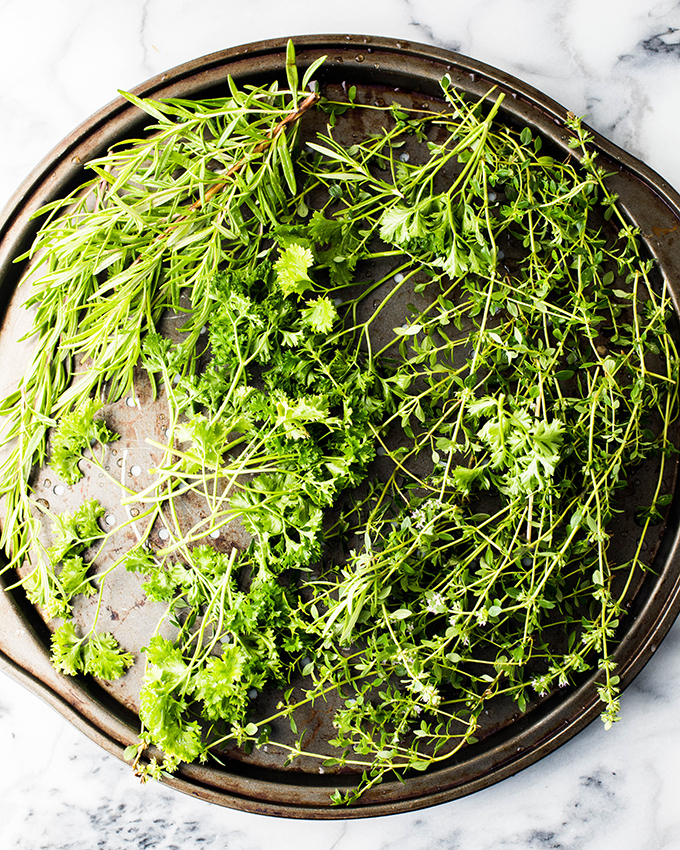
[[429, 510]]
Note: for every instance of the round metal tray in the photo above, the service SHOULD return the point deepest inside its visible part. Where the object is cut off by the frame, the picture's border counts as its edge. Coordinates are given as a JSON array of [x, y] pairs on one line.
[[378, 67]]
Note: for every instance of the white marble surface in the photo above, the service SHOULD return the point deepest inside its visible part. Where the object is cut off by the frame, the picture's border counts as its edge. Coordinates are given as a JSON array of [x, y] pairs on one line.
[[616, 61]]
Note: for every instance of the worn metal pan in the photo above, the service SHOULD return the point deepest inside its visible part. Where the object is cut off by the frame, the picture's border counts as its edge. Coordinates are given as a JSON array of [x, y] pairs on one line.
[[379, 68]]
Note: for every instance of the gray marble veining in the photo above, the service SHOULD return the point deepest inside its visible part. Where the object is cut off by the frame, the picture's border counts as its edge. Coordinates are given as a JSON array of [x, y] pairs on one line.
[[615, 61]]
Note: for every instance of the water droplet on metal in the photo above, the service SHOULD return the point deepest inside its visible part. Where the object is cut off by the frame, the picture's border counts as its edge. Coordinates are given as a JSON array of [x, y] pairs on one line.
[[398, 277], [215, 533], [44, 503], [135, 470], [110, 519], [59, 490], [130, 402], [119, 462], [134, 511], [164, 534], [359, 57], [48, 483]]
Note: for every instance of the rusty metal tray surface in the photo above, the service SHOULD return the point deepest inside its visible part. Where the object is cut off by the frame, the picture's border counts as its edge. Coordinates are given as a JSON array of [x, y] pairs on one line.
[[377, 67]]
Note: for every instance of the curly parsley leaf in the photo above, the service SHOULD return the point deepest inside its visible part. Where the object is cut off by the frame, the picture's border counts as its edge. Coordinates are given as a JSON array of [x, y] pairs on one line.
[[67, 649], [98, 654], [292, 269], [73, 577], [163, 703], [221, 687], [73, 533], [76, 431], [104, 658], [320, 314]]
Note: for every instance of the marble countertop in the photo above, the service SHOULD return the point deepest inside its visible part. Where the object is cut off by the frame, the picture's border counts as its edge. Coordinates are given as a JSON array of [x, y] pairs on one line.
[[615, 61]]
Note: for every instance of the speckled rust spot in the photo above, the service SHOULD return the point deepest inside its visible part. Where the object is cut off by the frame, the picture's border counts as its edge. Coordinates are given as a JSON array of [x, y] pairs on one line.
[[663, 231]]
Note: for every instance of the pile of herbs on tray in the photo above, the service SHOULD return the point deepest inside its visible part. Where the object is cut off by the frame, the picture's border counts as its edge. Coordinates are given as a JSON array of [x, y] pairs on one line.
[[429, 508]]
